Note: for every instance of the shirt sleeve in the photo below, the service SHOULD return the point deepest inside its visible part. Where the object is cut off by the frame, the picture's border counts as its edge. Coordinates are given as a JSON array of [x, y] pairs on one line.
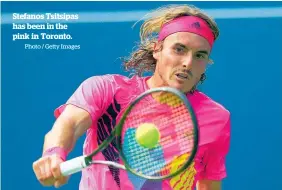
[[92, 95], [214, 159]]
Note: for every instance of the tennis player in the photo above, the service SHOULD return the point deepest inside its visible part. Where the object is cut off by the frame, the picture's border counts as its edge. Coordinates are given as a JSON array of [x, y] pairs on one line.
[[178, 57]]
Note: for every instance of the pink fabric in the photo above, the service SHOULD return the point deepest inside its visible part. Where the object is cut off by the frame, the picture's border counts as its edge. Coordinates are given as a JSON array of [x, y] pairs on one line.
[[191, 24], [105, 97], [58, 151]]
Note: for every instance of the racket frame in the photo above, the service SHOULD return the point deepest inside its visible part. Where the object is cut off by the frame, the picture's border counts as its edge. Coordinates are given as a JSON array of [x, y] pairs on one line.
[[117, 132], [195, 128]]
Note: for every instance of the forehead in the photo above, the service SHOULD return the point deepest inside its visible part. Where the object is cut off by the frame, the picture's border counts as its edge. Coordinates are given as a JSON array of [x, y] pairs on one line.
[[188, 39]]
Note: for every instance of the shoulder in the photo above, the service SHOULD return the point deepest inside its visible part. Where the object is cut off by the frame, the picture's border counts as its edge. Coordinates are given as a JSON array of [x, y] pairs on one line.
[[106, 81], [114, 79], [100, 78], [213, 118], [203, 103], [116, 85]]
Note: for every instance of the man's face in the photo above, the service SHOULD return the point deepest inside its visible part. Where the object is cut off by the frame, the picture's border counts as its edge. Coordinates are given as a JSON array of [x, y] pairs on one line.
[[182, 60]]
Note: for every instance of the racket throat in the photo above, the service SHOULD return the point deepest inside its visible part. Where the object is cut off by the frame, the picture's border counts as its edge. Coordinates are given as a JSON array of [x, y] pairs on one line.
[[88, 161]]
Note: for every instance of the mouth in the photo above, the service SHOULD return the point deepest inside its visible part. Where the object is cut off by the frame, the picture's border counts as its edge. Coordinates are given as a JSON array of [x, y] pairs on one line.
[[182, 76]]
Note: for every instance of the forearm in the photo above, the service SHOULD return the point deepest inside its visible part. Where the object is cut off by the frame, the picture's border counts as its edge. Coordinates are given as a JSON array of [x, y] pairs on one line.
[[61, 135], [71, 124]]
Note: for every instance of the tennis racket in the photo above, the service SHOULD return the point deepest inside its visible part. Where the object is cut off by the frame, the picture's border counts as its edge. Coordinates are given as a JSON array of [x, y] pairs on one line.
[[169, 110]]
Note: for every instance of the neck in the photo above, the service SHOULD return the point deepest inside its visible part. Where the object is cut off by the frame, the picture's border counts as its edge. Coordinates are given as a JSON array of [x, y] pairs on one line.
[[155, 81]]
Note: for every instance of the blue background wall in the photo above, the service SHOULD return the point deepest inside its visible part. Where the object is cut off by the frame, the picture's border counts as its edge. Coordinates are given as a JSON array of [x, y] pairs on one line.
[[246, 78]]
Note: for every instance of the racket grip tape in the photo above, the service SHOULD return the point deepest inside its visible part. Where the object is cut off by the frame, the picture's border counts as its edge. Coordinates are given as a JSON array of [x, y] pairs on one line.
[[73, 166]]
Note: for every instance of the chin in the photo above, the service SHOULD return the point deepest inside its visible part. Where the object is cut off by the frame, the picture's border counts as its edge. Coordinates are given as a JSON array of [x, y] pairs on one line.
[[177, 86], [181, 86]]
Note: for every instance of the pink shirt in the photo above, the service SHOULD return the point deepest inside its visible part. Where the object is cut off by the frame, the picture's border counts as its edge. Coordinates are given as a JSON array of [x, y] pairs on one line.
[[104, 97]]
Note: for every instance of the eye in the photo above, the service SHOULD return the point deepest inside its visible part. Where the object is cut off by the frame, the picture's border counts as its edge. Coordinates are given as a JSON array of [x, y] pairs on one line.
[[201, 56], [179, 49]]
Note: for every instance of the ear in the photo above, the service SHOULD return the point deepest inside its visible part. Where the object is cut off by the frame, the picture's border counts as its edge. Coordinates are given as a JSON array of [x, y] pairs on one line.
[[156, 50]]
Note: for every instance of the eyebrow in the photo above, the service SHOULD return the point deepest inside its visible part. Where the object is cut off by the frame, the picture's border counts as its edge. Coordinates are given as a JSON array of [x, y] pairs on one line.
[[201, 51]]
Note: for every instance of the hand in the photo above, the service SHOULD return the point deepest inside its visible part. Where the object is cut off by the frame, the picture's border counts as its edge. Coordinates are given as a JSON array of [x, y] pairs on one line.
[[47, 171]]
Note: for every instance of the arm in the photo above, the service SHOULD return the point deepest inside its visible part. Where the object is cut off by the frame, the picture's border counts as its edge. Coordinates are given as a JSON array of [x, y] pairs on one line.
[[70, 125], [76, 116], [73, 119]]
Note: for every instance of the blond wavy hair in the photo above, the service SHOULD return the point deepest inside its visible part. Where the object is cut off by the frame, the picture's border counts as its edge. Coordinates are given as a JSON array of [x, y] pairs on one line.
[[142, 60]]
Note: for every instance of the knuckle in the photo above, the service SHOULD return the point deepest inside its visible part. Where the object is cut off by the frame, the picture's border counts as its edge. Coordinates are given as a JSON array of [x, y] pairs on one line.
[[49, 175], [45, 159], [34, 164], [54, 168], [40, 162], [37, 162]]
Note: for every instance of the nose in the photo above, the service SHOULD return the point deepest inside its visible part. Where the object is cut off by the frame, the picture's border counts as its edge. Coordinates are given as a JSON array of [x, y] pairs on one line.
[[187, 62]]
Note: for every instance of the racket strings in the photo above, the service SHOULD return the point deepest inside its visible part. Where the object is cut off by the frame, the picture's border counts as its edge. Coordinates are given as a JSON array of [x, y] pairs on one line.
[[173, 121]]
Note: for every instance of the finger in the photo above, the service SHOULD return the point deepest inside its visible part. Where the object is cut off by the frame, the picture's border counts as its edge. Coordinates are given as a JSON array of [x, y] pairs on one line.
[[48, 182], [49, 178], [55, 167], [61, 181], [48, 173], [37, 170], [58, 184], [42, 171]]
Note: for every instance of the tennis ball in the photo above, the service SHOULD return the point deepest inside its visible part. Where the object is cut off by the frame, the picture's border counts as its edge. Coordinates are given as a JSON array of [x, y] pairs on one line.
[[147, 135]]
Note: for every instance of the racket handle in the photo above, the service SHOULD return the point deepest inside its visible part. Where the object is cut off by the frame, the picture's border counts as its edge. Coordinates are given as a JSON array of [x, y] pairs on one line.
[[73, 166]]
